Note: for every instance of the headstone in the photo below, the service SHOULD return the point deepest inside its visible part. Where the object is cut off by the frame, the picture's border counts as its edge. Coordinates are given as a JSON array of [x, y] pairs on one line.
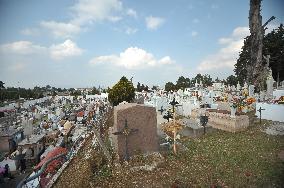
[[251, 90], [238, 86], [139, 117], [230, 97], [261, 96], [28, 127], [269, 83], [245, 85]]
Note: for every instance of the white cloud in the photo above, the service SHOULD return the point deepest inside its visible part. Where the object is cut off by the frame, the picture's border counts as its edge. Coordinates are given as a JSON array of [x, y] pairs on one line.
[[114, 18], [224, 40], [241, 32], [88, 11], [133, 58], [153, 23], [131, 12], [65, 50], [56, 51], [130, 30], [61, 29], [194, 33], [21, 47], [85, 12], [226, 57], [30, 32]]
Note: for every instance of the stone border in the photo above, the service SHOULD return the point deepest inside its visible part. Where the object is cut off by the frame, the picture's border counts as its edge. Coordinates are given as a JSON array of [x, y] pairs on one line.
[[60, 171]]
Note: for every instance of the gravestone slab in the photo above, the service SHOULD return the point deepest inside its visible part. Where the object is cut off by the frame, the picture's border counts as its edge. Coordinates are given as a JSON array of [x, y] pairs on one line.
[[192, 128], [141, 118], [251, 90]]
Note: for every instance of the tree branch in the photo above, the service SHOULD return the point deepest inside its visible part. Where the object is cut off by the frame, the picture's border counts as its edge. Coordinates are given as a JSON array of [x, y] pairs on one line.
[[270, 19]]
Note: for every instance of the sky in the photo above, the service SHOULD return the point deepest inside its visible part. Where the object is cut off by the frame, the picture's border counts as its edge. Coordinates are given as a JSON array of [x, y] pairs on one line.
[[86, 43]]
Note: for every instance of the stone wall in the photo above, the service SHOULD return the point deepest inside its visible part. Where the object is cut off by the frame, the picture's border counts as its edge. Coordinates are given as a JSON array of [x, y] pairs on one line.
[[227, 123], [221, 120]]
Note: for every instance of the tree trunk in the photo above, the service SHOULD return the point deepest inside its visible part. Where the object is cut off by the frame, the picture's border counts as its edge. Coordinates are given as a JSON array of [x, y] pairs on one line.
[[255, 70]]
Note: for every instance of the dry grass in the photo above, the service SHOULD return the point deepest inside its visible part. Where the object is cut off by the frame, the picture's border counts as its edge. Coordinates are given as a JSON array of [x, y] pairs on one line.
[[218, 159]]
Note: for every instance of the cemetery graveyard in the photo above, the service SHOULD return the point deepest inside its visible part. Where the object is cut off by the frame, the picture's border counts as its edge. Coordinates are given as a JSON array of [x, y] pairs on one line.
[[182, 139], [198, 132]]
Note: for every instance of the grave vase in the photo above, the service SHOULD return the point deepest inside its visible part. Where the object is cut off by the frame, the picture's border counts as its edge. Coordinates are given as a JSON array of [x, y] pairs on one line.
[[233, 112]]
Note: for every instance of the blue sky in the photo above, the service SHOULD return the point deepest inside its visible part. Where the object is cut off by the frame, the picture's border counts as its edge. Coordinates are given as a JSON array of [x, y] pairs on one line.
[[86, 43]]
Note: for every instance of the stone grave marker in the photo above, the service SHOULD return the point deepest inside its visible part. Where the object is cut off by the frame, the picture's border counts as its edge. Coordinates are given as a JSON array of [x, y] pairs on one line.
[[251, 90], [139, 117]]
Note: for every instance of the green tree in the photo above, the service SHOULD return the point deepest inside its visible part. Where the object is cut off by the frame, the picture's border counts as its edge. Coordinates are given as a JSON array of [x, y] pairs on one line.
[[48, 87], [170, 86], [155, 88], [243, 61], [94, 91], [217, 80], [122, 91], [2, 85], [182, 83], [207, 80], [274, 46], [197, 78], [138, 87], [232, 80]]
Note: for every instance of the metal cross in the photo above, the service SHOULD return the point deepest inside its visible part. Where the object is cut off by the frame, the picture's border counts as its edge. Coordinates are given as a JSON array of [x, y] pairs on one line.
[[161, 110], [259, 110], [126, 131], [174, 103], [204, 121], [168, 116]]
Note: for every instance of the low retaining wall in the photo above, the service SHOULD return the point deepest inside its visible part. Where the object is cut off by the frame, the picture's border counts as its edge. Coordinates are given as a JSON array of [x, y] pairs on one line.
[[60, 171], [227, 123], [221, 119]]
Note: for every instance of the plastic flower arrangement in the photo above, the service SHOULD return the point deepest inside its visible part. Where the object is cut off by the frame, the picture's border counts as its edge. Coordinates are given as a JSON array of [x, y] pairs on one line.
[[234, 103], [250, 100], [281, 100], [238, 103]]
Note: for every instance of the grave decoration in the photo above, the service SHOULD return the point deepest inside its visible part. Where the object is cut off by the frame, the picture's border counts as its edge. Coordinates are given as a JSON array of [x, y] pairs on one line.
[[280, 100], [173, 127]]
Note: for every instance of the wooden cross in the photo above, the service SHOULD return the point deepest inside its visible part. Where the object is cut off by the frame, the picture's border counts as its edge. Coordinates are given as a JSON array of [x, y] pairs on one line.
[[174, 103], [126, 131], [259, 110]]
